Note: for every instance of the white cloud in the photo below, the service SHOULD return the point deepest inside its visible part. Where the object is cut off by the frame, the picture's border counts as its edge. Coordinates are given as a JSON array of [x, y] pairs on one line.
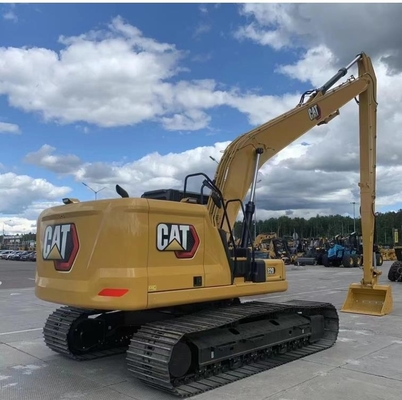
[[201, 29], [18, 192], [44, 158], [23, 198], [373, 28], [203, 57], [315, 66], [191, 120], [320, 53], [296, 179], [10, 16], [154, 171], [6, 127], [24, 222], [203, 8], [261, 109], [116, 77], [341, 135], [16, 225], [318, 173]]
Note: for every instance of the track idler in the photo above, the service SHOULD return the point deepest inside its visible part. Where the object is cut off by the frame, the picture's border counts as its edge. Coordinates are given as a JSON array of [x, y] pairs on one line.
[[86, 334]]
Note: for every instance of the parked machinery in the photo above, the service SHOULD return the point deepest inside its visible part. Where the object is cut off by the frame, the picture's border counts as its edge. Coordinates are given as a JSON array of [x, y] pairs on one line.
[[348, 252], [356, 244], [341, 253], [313, 252], [157, 279], [263, 241], [275, 247], [395, 271], [281, 248]]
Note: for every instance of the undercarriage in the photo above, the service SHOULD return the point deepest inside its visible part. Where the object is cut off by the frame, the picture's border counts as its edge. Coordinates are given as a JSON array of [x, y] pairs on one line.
[[187, 351]]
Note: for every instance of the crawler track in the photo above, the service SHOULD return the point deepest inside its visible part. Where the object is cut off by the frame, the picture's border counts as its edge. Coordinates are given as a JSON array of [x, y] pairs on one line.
[[62, 334], [159, 348]]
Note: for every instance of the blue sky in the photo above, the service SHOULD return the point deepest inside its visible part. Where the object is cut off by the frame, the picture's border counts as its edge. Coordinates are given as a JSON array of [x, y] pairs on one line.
[[48, 111], [231, 63]]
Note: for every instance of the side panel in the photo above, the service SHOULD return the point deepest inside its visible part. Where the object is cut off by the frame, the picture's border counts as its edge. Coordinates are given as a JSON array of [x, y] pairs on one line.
[[176, 246], [275, 282], [215, 293]]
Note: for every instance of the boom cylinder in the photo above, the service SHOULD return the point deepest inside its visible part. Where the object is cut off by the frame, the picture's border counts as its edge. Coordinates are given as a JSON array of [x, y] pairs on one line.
[[250, 206], [342, 72]]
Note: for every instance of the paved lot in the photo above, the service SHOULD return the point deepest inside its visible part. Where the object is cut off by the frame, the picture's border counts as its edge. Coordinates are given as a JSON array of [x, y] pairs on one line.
[[17, 274], [365, 363]]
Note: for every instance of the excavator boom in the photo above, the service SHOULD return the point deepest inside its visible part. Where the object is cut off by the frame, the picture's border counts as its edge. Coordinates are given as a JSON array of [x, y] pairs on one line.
[[242, 159]]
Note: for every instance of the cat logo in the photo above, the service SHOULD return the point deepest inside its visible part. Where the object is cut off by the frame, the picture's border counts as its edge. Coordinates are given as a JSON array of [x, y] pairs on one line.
[[60, 245], [181, 239], [314, 112]]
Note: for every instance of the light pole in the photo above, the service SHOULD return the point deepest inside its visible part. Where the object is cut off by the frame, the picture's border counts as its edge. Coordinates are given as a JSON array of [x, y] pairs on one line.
[[213, 159], [95, 191], [4, 232], [354, 216]]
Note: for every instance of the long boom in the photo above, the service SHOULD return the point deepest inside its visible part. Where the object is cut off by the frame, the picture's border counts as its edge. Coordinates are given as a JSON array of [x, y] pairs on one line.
[[243, 158]]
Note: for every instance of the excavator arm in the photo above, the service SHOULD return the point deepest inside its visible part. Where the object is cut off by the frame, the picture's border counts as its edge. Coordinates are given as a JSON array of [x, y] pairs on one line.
[[242, 159]]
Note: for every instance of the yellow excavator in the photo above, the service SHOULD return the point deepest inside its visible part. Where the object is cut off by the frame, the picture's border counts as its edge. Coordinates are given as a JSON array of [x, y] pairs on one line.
[[161, 278], [263, 240], [269, 244]]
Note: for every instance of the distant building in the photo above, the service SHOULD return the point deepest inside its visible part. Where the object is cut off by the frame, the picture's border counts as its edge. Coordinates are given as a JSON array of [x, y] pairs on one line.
[[15, 242]]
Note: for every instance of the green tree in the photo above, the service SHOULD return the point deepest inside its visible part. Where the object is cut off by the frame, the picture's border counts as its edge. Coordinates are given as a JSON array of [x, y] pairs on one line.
[[328, 226]]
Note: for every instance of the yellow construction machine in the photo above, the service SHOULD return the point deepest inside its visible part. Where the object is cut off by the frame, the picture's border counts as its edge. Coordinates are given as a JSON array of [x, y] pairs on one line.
[[160, 277], [264, 244], [395, 254], [263, 240], [274, 247]]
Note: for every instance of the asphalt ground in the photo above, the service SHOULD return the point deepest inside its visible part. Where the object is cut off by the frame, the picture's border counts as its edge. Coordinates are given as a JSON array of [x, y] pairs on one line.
[[364, 364], [17, 274]]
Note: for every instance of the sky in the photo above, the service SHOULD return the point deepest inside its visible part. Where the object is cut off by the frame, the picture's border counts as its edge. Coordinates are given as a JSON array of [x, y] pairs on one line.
[[141, 95]]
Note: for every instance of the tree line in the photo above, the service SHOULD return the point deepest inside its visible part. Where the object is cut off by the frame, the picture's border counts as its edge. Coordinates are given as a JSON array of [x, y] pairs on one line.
[[318, 226], [328, 226]]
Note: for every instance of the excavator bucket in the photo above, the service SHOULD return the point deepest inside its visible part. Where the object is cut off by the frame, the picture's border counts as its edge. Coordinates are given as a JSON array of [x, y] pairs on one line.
[[370, 300]]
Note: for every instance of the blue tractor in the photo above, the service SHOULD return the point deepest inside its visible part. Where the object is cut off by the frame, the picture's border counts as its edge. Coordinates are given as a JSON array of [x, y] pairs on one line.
[[348, 252], [343, 252]]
